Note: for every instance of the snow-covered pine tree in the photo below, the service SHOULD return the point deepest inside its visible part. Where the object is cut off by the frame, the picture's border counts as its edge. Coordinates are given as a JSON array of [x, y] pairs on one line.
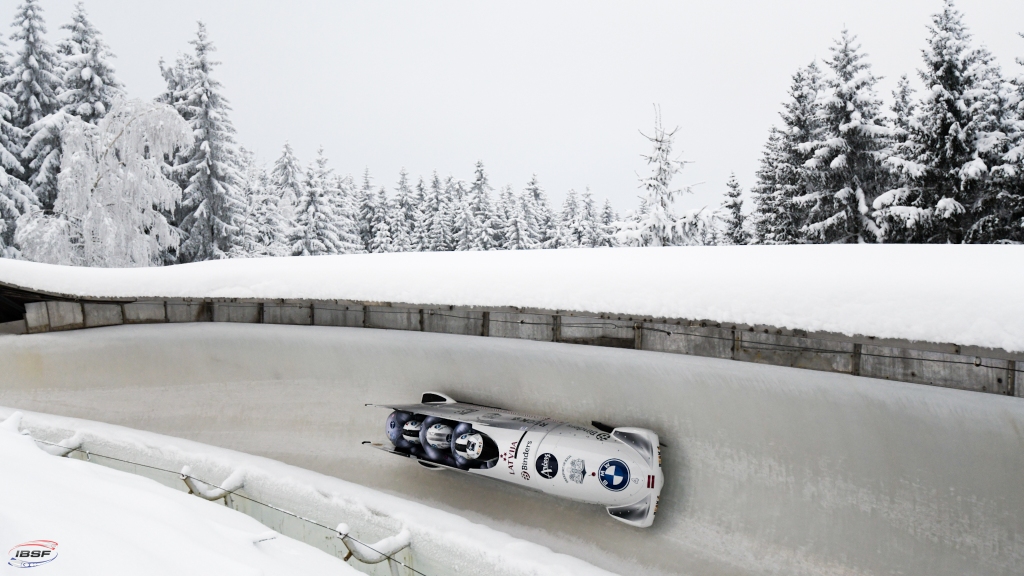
[[112, 192], [262, 231], [483, 235], [346, 213], [406, 231], [542, 220], [849, 152], [316, 231], [35, 84], [503, 209], [515, 233], [940, 165], [571, 229], [658, 225], [732, 218], [287, 177], [383, 218], [90, 87], [366, 203], [420, 241], [210, 206], [593, 232], [15, 197], [608, 219], [436, 236], [890, 214], [783, 177]]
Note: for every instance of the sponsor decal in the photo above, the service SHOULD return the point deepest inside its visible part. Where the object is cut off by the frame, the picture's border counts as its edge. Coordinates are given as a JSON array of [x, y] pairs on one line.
[[490, 416], [650, 481], [464, 411], [547, 465], [32, 554], [602, 436], [613, 474], [526, 460], [574, 470], [509, 457]]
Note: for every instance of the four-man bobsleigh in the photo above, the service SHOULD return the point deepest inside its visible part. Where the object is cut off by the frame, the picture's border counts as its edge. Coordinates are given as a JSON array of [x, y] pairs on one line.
[[619, 469]]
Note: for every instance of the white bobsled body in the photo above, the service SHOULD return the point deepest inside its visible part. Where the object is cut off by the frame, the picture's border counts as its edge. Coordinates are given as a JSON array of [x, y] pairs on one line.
[[620, 469]]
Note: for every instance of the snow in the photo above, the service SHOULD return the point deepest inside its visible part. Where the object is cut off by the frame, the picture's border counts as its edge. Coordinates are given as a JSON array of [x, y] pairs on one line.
[[87, 507], [107, 522], [967, 295]]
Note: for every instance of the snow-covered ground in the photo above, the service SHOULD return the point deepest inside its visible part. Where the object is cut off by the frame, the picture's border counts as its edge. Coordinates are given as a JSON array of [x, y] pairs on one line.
[[98, 521], [100, 516], [967, 295]]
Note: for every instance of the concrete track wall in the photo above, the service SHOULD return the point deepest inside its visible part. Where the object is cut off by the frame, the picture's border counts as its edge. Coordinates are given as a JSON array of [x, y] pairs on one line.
[[769, 470]]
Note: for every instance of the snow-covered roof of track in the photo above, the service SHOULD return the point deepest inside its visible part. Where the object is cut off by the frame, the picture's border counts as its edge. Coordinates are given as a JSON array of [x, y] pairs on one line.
[[968, 295]]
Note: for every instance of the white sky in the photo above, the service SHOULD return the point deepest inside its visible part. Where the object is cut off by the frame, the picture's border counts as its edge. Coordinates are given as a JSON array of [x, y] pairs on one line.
[[554, 88]]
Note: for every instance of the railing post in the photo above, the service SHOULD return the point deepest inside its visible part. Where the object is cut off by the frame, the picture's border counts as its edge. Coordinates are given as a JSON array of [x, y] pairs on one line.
[[638, 335], [737, 344], [1011, 378], [485, 328], [855, 360], [556, 328]]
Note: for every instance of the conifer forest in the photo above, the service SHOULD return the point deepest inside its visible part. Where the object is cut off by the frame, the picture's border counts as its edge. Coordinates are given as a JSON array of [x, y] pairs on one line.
[[90, 177]]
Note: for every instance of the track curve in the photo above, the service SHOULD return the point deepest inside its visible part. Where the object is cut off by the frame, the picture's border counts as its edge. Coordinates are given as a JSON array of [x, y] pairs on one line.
[[768, 470]]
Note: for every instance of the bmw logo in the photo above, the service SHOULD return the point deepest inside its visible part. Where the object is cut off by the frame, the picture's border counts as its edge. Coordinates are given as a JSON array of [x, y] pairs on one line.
[[614, 475]]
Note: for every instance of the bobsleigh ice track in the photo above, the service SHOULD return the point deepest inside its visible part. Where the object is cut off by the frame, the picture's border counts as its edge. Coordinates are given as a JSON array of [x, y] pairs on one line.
[[768, 470]]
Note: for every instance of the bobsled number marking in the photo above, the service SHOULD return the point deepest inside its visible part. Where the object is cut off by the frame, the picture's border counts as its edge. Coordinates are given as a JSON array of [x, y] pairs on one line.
[[614, 474]]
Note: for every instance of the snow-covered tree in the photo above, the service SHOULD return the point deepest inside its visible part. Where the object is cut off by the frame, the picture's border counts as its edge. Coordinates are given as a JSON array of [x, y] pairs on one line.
[[409, 216], [287, 177], [211, 203], [112, 191], [732, 218], [517, 233], [90, 87], [368, 212], [16, 198], [658, 225], [436, 230], [384, 224], [262, 231], [941, 164], [572, 229], [783, 176], [538, 213], [35, 83], [849, 152], [316, 230], [594, 234], [477, 218], [608, 219]]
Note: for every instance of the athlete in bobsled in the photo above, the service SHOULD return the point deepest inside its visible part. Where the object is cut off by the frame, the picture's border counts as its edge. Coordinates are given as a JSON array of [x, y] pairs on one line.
[[618, 468]]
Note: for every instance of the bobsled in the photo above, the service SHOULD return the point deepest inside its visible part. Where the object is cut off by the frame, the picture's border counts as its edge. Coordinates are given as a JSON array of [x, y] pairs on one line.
[[618, 468]]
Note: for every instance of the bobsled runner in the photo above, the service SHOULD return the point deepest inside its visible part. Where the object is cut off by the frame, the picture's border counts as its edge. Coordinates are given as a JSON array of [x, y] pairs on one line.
[[618, 468]]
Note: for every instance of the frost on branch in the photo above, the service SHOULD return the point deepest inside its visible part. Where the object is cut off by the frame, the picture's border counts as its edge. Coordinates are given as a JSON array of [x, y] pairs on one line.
[[111, 191]]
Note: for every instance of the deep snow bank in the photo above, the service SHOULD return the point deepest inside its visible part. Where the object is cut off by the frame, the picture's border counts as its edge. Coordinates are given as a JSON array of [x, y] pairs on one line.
[[966, 295], [94, 520]]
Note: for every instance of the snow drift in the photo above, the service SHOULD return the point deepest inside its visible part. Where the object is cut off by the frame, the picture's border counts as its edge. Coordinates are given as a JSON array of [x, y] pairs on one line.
[[965, 295]]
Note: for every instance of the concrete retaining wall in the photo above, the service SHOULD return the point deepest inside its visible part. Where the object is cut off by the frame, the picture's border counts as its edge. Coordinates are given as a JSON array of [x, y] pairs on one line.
[[946, 365]]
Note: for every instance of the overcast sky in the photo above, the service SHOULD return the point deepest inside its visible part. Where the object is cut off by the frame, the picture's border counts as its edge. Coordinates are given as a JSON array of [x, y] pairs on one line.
[[559, 89]]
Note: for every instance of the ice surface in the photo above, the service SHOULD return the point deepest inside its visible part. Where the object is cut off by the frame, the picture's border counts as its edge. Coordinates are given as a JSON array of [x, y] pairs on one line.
[[966, 295], [172, 525]]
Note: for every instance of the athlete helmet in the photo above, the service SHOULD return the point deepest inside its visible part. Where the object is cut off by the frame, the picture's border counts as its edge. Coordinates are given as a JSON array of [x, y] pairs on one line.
[[440, 436], [470, 446], [411, 431]]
